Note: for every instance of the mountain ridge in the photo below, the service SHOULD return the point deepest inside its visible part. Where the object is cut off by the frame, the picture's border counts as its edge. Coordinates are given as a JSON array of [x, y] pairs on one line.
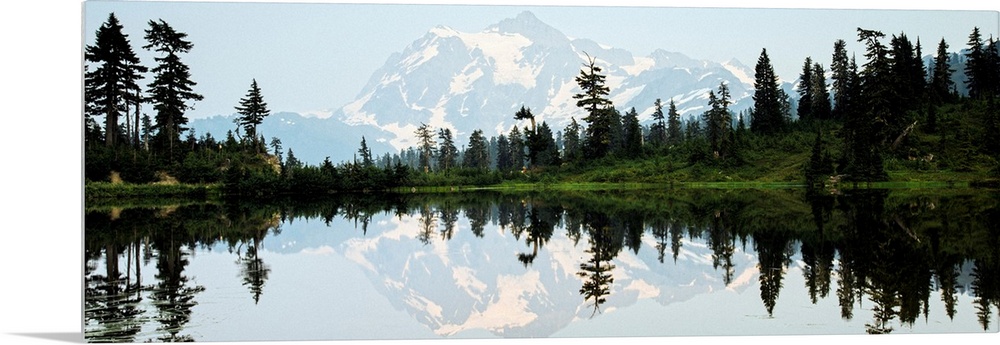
[[466, 81]]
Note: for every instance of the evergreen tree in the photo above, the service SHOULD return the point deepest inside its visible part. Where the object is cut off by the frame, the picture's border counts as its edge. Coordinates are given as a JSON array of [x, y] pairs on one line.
[[504, 161], [171, 86], [820, 163], [975, 65], [425, 139], [477, 156], [191, 141], [112, 85], [767, 114], [447, 152], [494, 152], [292, 162], [907, 71], [366, 154], [617, 131], [692, 130], [992, 69], [516, 149], [544, 151], [633, 134], [718, 122], [841, 76], [805, 90], [674, 133], [941, 83], [594, 100], [820, 96], [275, 146], [525, 114], [147, 131], [658, 130], [865, 131], [533, 142], [572, 149], [252, 111]]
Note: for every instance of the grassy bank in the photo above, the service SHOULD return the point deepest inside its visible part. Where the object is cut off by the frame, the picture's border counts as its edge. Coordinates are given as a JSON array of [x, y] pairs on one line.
[[99, 191]]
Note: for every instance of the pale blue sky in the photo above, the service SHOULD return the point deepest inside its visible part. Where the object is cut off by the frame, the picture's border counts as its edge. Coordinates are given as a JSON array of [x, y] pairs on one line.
[[315, 57]]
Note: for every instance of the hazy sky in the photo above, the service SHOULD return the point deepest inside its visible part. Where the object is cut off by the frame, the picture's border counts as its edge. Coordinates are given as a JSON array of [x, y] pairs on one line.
[[316, 57]]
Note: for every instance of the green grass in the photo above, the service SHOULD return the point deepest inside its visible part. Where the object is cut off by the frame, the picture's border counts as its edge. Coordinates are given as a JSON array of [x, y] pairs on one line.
[[96, 191]]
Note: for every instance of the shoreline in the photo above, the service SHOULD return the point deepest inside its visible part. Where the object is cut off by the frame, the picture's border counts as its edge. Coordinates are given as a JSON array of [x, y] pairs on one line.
[[104, 191]]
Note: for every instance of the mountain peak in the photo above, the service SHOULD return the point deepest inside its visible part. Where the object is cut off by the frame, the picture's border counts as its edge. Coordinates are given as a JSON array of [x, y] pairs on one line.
[[526, 16], [524, 19], [527, 25], [466, 81]]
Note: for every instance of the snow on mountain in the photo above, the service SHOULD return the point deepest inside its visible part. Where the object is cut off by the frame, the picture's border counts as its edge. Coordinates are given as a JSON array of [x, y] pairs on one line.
[[477, 80], [467, 283], [467, 81], [740, 71]]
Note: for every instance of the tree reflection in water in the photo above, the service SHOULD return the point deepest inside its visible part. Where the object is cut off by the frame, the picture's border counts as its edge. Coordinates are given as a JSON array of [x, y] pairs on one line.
[[885, 251]]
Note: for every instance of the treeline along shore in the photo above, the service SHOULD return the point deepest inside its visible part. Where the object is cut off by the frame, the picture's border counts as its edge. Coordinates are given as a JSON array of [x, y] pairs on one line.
[[888, 119]]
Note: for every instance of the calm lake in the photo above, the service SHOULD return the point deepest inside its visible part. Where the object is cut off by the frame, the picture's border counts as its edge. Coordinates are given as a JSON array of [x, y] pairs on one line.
[[684, 262]]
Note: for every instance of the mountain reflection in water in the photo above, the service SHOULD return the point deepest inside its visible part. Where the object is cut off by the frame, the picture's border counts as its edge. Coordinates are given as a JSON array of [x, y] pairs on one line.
[[545, 264]]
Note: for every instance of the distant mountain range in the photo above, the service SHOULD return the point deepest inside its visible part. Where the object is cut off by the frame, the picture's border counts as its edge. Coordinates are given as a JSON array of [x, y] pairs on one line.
[[467, 81]]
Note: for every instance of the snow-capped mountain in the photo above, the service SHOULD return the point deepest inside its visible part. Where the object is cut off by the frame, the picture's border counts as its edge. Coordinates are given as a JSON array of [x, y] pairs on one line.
[[466, 81]]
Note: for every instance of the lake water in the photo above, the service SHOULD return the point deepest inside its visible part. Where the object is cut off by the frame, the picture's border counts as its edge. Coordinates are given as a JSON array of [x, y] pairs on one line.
[[674, 262]]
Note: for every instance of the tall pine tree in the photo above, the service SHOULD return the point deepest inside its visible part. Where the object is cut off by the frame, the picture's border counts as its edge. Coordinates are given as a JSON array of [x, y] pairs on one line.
[[975, 65], [658, 130], [517, 146], [504, 161], [171, 88], [865, 131], [674, 133], [718, 122], [805, 90], [632, 143], [767, 115], [252, 111], [477, 156], [594, 100], [112, 85], [840, 69], [941, 83], [366, 154], [447, 152], [426, 146], [821, 109], [909, 79], [572, 146]]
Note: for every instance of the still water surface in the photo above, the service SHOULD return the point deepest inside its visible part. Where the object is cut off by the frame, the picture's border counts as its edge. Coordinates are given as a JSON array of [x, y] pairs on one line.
[[483, 265]]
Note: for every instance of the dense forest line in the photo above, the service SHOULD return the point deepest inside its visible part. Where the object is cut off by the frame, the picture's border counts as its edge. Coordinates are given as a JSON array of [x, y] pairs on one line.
[[891, 118]]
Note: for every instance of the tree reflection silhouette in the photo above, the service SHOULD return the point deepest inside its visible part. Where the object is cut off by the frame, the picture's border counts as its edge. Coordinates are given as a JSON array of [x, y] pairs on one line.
[[252, 268], [172, 295], [604, 247], [428, 224], [881, 251], [772, 255], [541, 225]]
